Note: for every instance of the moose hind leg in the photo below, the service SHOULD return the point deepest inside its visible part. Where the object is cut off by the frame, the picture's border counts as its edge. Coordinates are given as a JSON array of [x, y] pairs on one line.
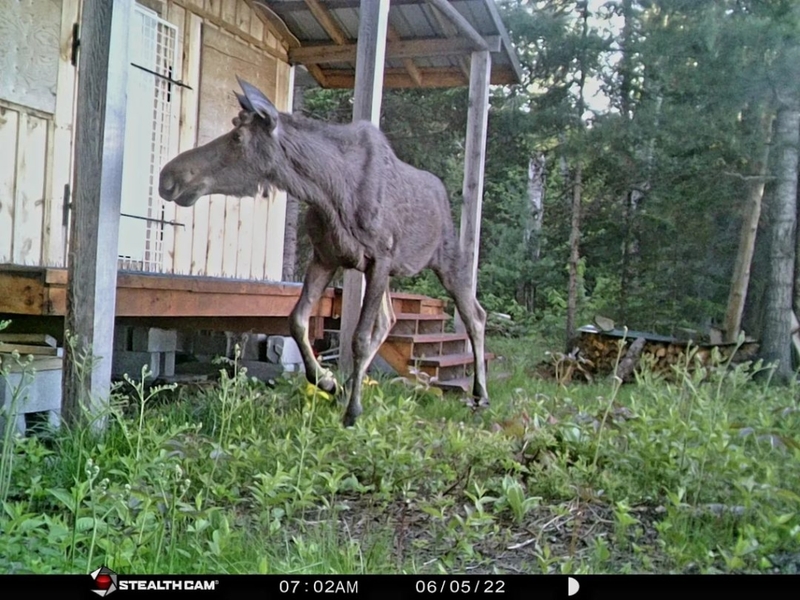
[[317, 278], [374, 324], [474, 317]]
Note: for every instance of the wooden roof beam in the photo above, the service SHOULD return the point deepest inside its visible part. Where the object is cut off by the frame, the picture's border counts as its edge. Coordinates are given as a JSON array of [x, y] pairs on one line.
[[460, 23], [399, 49], [325, 18], [450, 31], [434, 77], [408, 64]]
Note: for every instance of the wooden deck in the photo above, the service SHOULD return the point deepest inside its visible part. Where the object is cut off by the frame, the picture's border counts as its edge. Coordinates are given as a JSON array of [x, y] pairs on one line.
[[167, 301], [35, 299]]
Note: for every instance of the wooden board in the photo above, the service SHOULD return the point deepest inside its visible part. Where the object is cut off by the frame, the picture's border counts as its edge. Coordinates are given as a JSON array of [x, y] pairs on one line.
[[9, 120], [30, 190], [223, 58], [60, 144], [22, 294], [29, 35], [23, 349], [227, 242], [29, 338], [190, 39]]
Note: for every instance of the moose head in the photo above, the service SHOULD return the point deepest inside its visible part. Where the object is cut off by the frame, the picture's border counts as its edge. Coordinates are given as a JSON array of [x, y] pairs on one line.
[[237, 163]]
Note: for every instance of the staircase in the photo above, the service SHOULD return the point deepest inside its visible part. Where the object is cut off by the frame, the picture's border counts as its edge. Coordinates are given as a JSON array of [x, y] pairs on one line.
[[419, 340]]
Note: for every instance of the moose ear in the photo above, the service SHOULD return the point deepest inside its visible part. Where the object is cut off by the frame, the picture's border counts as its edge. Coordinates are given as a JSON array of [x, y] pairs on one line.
[[259, 103], [244, 102]]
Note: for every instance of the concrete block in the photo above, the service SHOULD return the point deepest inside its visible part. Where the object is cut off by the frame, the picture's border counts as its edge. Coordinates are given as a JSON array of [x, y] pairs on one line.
[[167, 364], [38, 390], [122, 337], [151, 339], [262, 370], [132, 362], [283, 350]]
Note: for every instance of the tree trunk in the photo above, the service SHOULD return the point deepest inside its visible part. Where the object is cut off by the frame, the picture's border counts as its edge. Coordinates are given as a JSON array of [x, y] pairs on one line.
[[776, 342], [577, 188], [747, 237], [532, 237], [574, 256], [536, 187]]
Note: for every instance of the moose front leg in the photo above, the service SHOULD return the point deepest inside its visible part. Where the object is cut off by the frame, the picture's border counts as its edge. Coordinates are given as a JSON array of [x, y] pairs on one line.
[[318, 276], [376, 320]]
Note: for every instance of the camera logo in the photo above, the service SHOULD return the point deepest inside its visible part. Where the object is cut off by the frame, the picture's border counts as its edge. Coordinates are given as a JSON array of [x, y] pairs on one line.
[[105, 581]]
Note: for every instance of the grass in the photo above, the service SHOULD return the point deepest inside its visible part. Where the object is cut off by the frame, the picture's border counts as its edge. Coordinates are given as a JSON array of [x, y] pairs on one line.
[[700, 475]]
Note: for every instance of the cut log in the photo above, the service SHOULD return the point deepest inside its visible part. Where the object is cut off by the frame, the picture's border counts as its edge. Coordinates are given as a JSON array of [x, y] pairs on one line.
[[628, 364]]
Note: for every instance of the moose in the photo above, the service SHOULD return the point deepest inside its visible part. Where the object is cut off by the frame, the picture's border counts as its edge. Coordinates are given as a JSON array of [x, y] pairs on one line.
[[367, 210]]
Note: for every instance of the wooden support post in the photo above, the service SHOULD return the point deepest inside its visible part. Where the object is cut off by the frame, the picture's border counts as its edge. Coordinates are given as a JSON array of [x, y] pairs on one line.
[[474, 158], [373, 21], [99, 140]]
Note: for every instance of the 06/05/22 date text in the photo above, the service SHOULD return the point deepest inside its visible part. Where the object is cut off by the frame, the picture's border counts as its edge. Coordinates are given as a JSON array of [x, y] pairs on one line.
[[460, 586]]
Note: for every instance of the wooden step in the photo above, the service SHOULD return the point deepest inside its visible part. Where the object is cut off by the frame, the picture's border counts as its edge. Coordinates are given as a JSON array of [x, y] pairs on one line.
[[424, 299], [422, 317], [461, 384], [419, 323], [426, 338], [445, 360]]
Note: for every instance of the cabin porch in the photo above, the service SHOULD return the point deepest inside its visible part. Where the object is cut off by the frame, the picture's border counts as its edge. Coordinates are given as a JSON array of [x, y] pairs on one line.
[[158, 315]]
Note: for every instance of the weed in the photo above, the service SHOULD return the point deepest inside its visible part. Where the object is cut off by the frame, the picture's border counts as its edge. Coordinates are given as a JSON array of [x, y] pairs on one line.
[[240, 477]]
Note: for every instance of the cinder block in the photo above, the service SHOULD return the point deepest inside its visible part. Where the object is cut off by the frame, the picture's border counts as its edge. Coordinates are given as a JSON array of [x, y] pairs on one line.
[[121, 337], [151, 339], [37, 390], [283, 350], [262, 370], [132, 362]]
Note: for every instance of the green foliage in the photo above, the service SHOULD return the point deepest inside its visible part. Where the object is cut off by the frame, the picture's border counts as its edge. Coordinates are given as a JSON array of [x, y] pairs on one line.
[[674, 94], [238, 477]]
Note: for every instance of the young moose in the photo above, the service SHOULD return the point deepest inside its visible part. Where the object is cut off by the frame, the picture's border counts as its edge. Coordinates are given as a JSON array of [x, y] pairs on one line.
[[367, 210]]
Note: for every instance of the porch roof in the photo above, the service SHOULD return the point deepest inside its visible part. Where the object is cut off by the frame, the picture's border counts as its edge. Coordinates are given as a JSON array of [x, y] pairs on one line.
[[428, 41]]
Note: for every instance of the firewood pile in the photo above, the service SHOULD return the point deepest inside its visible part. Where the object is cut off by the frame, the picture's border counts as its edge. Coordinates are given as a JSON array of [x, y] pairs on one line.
[[597, 354]]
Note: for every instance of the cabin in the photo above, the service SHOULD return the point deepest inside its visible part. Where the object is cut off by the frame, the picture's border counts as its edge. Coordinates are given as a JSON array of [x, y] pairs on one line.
[[183, 280]]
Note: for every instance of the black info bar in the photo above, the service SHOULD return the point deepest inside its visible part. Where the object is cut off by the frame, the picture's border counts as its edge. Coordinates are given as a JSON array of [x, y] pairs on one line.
[[106, 583]]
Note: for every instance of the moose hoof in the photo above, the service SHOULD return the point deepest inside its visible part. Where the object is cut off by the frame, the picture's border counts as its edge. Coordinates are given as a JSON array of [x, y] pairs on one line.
[[482, 402], [327, 382], [350, 417]]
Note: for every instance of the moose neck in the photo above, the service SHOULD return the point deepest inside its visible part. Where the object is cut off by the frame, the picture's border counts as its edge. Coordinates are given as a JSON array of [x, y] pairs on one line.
[[317, 162]]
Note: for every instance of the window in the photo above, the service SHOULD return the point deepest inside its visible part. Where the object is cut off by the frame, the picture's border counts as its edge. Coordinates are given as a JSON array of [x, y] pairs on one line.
[[152, 52]]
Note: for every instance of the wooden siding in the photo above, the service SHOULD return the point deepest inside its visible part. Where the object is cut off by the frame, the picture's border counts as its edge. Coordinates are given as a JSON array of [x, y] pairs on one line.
[[37, 143], [220, 237]]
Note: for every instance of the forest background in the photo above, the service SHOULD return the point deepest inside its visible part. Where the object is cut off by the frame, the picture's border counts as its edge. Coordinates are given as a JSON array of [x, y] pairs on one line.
[[645, 170]]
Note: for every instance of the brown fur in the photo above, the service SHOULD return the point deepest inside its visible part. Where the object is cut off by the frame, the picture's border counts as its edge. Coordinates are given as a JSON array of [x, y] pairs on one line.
[[368, 210]]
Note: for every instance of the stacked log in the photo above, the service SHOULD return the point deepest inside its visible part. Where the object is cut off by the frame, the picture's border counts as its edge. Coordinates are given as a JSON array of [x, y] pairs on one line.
[[602, 351]]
